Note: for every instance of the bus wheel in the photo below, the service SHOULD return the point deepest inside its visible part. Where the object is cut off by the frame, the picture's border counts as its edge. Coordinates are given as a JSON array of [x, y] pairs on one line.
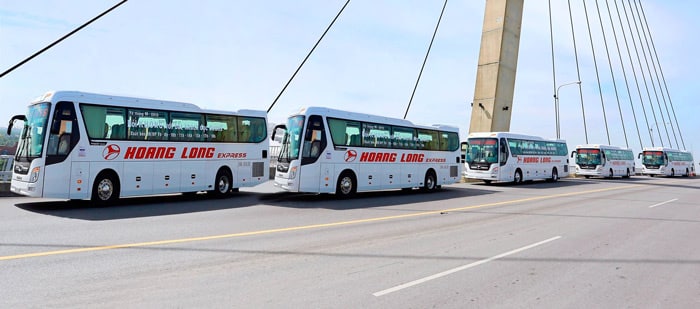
[[518, 177], [106, 188], [346, 185], [222, 184], [555, 175], [429, 184]]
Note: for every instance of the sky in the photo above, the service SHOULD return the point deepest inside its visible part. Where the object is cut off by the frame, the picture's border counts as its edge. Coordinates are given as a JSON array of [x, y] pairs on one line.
[[230, 55]]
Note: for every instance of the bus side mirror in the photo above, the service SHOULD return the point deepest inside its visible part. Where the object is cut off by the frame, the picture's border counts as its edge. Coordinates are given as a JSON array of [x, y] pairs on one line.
[[274, 131], [12, 122], [573, 153], [639, 156]]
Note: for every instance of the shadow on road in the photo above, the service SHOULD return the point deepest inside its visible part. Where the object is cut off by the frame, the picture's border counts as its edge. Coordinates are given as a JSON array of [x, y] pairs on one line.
[[164, 205]]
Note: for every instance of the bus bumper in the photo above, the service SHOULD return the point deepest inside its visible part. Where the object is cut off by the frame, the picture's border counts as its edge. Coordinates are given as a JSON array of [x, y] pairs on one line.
[[291, 185], [31, 189]]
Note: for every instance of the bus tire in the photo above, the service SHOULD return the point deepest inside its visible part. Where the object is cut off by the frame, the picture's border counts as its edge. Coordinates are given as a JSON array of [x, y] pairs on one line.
[[518, 176], [430, 182], [346, 186], [105, 189], [555, 175], [222, 183]]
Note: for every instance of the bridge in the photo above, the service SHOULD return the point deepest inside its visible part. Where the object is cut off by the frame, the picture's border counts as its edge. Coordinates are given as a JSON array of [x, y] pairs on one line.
[[573, 243]]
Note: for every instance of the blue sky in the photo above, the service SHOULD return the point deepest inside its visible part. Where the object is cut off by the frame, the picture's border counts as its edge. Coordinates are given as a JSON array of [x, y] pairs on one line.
[[239, 54]]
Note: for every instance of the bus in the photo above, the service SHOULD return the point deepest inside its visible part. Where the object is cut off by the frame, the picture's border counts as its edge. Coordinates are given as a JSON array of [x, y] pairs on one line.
[[603, 161], [340, 152], [666, 162], [77, 145], [512, 157]]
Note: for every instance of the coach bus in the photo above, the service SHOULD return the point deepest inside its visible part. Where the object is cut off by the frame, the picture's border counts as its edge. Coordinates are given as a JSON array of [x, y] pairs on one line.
[[333, 151], [511, 157], [666, 162], [77, 145], [603, 161]]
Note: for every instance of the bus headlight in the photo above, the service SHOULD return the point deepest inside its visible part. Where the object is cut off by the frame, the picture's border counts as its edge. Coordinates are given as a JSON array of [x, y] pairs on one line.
[[293, 172], [34, 175]]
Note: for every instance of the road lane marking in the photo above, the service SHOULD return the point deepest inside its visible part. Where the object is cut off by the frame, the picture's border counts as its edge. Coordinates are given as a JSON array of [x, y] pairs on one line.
[[460, 268], [662, 203], [303, 227]]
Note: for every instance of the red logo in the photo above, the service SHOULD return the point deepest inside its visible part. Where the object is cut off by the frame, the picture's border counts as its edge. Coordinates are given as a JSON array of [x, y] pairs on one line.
[[350, 155], [111, 152]]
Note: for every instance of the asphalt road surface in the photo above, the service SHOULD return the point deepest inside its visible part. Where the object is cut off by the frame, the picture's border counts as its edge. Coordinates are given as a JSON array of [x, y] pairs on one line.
[[581, 243]]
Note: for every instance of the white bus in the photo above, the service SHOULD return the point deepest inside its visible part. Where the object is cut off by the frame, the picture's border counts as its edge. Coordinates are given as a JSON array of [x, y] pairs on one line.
[[666, 162], [77, 145], [511, 157], [332, 151], [603, 161]]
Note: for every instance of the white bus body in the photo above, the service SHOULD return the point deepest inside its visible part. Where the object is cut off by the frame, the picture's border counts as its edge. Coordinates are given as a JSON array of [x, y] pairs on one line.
[[511, 157], [666, 162], [332, 151], [603, 161], [78, 145]]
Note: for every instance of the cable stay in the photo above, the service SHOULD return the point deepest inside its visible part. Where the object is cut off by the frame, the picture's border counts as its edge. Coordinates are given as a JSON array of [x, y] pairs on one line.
[[641, 70], [653, 85], [595, 64], [308, 55], [578, 69], [624, 73], [656, 55], [656, 73], [425, 59], [612, 74], [59, 40]]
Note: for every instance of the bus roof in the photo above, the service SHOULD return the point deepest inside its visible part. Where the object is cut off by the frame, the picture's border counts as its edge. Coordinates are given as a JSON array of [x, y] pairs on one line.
[[370, 118], [124, 101], [511, 135], [664, 149], [601, 146]]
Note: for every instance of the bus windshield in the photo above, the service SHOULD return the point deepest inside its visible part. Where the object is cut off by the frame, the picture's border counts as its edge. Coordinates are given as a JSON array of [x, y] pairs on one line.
[[653, 158], [588, 157], [32, 138], [482, 150], [292, 139]]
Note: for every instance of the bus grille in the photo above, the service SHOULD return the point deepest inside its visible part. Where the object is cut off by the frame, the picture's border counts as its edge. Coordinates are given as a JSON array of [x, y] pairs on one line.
[[454, 171], [258, 169]]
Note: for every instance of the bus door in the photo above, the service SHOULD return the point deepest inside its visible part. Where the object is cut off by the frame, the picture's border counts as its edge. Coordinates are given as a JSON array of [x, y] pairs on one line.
[[314, 145], [505, 171], [63, 139]]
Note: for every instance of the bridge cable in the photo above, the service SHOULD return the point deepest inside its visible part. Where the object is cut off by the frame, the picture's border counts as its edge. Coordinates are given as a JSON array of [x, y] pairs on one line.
[[624, 73], [653, 85], [656, 73], [662, 75], [595, 64], [612, 74], [644, 79], [578, 71], [425, 60], [59, 40], [308, 55], [634, 72], [554, 74]]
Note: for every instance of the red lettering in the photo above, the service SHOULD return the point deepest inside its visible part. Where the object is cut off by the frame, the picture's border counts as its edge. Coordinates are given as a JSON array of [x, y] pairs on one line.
[[140, 152], [151, 152], [129, 153], [183, 155], [170, 153]]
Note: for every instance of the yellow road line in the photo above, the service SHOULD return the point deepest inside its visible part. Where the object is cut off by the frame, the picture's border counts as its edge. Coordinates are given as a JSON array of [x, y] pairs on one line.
[[303, 227]]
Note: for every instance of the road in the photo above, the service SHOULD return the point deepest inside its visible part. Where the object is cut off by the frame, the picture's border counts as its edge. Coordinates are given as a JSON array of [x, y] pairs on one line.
[[579, 243]]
